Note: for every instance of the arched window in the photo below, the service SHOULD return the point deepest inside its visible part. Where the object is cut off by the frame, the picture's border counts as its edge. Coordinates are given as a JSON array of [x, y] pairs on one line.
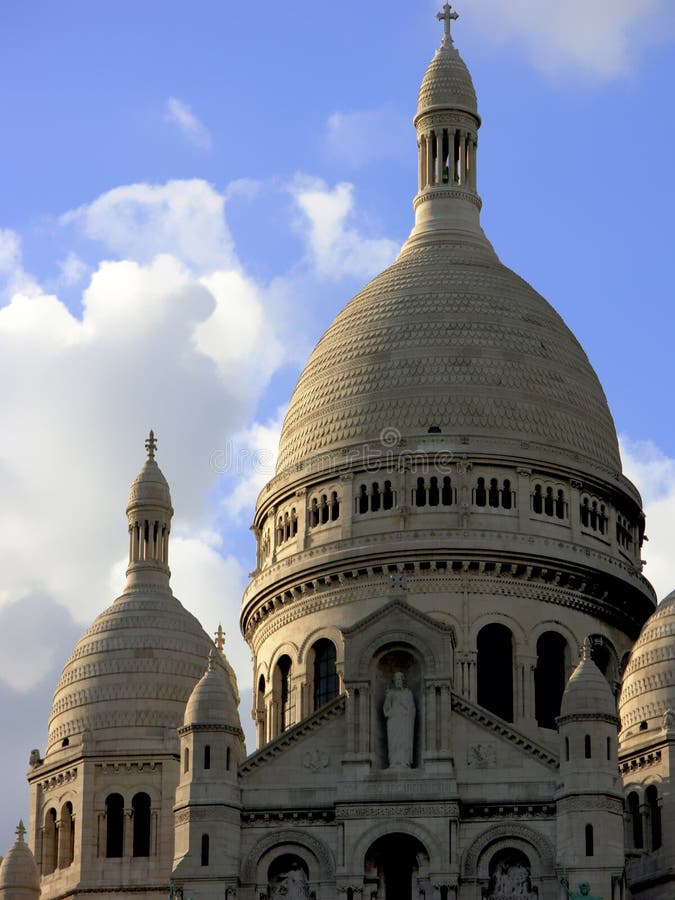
[[587, 746], [387, 496], [434, 493], [654, 812], [140, 813], [588, 831], [326, 683], [446, 494], [493, 493], [420, 493], [635, 820], [375, 498], [50, 843], [480, 494], [260, 712], [549, 677], [363, 499], [334, 507], [567, 749], [186, 759], [286, 693], [66, 836], [228, 755], [495, 670], [205, 849], [114, 830], [537, 500], [207, 756]]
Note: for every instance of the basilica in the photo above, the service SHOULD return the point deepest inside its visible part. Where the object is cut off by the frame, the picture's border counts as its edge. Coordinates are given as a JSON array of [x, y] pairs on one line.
[[463, 686]]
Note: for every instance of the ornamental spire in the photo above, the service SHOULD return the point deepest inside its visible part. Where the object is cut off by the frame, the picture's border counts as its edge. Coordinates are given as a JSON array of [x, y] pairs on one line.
[[20, 831], [151, 444], [447, 15]]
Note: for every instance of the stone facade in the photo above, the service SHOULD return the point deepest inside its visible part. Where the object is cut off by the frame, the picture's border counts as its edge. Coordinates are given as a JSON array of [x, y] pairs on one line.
[[447, 526]]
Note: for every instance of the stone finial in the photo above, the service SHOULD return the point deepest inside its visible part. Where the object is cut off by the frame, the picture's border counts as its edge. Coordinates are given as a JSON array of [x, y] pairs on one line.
[[151, 444], [447, 15], [220, 638], [212, 660], [586, 649], [20, 831]]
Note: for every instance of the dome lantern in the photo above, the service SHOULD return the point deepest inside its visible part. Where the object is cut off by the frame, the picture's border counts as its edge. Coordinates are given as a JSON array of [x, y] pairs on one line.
[[447, 124], [149, 512]]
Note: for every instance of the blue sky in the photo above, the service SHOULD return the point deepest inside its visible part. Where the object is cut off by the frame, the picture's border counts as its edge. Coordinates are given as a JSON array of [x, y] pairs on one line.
[[190, 194]]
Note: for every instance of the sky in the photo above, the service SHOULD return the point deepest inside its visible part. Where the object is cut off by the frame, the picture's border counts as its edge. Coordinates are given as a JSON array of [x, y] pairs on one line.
[[189, 193]]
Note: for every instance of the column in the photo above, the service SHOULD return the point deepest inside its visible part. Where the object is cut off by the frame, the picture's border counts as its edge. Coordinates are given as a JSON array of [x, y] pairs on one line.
[[347, 507], [430, 159]]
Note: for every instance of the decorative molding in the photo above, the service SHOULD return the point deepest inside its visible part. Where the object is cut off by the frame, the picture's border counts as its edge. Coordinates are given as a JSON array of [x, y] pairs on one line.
[[425, 810], [642, 761], [540, 844], [66, 777], [504, 730], [583, 802], [294, 734], [283, 838]]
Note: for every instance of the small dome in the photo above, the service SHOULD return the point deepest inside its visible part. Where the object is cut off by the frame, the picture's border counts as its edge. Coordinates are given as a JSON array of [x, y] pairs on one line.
[[648, 689], [587, 692], [131, 673], [214, 698], [447, 84], [18, 871], [150, 487]]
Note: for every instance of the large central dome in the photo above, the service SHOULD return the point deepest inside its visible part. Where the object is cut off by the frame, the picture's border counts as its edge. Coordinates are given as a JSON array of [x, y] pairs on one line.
[[449, 338]]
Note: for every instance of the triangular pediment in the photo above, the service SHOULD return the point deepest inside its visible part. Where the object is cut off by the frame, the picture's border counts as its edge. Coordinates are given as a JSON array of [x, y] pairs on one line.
[[394, 613]]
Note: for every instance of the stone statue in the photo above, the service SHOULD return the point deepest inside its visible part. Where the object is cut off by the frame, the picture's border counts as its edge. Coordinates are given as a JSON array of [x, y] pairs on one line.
[[669, 719], [583, 892], [399, 711], [511, 879], [291, 885]]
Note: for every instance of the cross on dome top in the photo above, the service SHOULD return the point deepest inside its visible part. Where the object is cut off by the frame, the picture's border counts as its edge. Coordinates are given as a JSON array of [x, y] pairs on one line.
[[447, 15], [20, 830], [220, 639], [151, 444]]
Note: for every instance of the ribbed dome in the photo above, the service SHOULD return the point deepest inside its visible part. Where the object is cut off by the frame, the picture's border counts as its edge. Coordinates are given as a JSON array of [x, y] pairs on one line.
[[213, 702], [648, 690], [447, 84], [18, 873], [587, 692], [131, 673], [449, 337], [150, 487]]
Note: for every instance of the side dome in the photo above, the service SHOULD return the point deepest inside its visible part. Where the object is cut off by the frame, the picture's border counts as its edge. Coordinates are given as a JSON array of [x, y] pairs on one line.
[[587, 693], [448, 337], [19, 876], [214, 699], [648, 689], [131, 673]]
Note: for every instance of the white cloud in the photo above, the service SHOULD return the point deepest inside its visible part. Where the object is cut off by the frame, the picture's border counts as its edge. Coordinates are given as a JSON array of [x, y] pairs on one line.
[[654, 474], [251, 455], [178, 113], [138, 221], [365, 136], [337, 248], [601, 38], [73, 270]]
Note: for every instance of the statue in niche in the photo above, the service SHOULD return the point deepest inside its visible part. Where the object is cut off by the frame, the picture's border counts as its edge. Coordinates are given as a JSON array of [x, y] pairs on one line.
[[511, 879], [399, 712], [290, 885]]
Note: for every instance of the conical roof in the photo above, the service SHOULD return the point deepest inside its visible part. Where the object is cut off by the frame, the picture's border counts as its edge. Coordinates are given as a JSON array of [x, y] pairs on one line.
[[587, 692], [447, 84], [213, 700]]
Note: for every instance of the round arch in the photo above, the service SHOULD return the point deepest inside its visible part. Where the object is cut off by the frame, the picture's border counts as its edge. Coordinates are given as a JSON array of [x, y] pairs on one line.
[[521, 636], [329, 632], [288, 648], [398, 826], [407, 641], [535, 844], [316, 855]]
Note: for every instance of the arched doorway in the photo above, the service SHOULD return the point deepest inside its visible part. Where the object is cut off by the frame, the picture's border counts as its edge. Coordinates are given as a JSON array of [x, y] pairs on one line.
[[394, 866]]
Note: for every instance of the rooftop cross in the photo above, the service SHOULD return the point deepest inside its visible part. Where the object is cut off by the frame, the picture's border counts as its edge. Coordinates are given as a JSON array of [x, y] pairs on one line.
[[447, 16], [151, 445], [20, 830]]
